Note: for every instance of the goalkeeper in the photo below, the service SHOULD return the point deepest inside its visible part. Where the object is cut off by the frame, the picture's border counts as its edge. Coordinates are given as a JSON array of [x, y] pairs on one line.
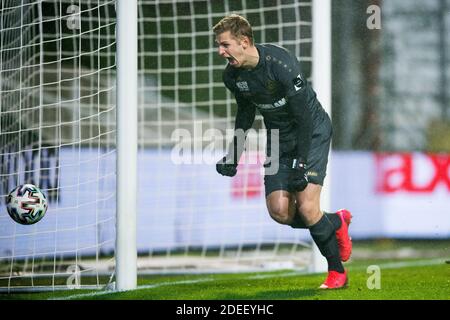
[[268, 78]]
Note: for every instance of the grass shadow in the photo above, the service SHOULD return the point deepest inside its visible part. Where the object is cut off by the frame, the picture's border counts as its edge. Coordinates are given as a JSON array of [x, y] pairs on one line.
[[273, 295]]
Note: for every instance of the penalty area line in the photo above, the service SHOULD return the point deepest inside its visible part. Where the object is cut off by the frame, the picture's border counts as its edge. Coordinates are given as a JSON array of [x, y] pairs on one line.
[[149, 286], [162, 284]]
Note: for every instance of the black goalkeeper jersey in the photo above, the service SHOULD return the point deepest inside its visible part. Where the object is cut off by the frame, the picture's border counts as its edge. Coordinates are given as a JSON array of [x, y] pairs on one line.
[[270, 87]]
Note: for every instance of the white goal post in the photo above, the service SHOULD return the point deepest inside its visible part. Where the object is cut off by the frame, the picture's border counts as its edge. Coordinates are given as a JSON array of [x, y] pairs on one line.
[[321, 79], [127, 119], [122, 202]]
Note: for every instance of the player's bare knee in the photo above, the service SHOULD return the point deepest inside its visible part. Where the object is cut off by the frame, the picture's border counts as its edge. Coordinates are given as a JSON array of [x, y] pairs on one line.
[[306, 208], [309, 211], [281, 219], [280, 214]]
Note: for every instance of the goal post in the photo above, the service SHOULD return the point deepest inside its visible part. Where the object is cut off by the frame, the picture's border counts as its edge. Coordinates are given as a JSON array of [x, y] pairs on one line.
[[127, 142], [321, 79]]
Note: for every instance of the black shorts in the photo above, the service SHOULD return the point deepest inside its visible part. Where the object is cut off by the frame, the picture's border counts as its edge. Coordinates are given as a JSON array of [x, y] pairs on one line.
[[316, 166]]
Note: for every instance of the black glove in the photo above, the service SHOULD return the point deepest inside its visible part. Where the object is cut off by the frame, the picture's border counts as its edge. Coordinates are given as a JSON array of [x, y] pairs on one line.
[[226, 167], [299, 179]]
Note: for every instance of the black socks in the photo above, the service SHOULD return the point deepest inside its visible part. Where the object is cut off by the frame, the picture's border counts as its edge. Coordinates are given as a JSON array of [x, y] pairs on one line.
[[333, 217], [323, 234]]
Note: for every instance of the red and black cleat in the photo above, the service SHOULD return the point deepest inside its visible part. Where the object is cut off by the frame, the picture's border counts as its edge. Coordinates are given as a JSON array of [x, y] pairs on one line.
[[343, 238], [335, 280]]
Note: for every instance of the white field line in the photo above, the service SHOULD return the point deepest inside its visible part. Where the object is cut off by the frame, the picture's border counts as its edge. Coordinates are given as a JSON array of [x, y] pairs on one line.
[[392, 265], [149, 286]]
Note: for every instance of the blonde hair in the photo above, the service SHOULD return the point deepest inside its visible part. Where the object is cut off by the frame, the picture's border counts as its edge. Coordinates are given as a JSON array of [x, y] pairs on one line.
[[237, 25]]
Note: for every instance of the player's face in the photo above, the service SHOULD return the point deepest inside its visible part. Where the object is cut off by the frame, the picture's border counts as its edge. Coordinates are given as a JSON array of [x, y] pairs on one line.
[[231, 49]]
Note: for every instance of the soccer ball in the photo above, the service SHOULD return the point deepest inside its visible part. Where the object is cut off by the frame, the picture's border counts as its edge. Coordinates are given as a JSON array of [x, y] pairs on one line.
[[26, 204]]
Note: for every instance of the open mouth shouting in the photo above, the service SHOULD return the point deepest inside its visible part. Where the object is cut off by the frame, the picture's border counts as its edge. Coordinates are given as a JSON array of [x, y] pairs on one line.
[[232, 61]]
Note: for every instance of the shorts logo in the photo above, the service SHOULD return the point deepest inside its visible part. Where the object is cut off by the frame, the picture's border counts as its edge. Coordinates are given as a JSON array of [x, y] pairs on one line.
[[242, 86], [298, 82], [312, 173]]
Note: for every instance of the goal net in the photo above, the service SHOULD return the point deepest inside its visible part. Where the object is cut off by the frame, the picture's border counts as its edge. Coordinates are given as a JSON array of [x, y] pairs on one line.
[[57, 122], [191, 219], [58, 131]]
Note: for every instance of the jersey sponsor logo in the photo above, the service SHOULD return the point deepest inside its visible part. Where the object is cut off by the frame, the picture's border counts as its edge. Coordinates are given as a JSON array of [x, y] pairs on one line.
[[266, 106], [298, 82], [242, 86], [271, 86]]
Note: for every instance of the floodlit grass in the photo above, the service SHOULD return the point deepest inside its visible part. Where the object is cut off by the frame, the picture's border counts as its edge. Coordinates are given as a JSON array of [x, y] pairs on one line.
[[400, 280]]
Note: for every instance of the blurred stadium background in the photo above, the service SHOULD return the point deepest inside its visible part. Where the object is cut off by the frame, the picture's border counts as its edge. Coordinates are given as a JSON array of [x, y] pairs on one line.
[[390, 162]]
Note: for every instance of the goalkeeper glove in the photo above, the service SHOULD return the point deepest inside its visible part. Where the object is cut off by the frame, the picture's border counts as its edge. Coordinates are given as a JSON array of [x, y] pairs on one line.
[[226, 168], [299, 179]]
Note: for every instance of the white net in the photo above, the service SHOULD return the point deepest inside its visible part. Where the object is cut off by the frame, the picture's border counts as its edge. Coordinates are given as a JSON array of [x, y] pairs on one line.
[[57, 121], [57, 112], [191, 218]]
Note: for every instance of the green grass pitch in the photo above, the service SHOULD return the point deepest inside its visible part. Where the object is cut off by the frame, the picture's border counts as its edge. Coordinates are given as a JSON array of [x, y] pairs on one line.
[[399, 280]]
